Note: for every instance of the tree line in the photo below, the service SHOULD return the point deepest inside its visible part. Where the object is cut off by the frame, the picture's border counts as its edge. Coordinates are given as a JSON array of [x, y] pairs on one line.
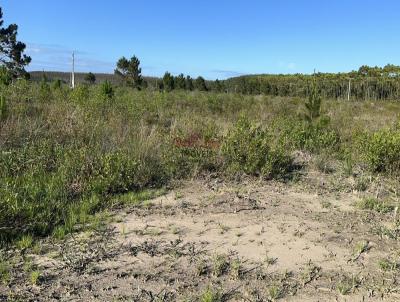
[[367, 83], [376, 83]]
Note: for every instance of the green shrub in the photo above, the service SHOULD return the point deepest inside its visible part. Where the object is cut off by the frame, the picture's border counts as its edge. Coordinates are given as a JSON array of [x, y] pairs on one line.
[[316, 137], [80, 93], [247, 149], [57, 84], [381, 151], [44, 91]]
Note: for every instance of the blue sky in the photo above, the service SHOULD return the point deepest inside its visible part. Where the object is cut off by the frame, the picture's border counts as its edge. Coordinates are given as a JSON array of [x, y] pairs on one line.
[[213, 38]]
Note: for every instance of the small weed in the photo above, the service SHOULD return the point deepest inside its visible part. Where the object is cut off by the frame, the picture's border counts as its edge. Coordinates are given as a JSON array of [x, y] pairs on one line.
[[25, 242], [34, 277], [388, 265], [59, 232], [361, 247], [361, 184], [119, 219], [175, 230], [178, 195], [220, 264], [270, 260], [28, 265], [37, 248], [123, 230], [201, 268], [348, 165], [153, 232], [310, 273], [211, 295], [275, 292], [347, 285], [236, 269], [5, 275], [326, 204], [344, 288], [139, 198], [223, 228], [392, 233]]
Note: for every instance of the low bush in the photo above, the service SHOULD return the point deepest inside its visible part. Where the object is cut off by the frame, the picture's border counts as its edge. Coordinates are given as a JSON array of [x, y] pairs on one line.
[[381, 151], [248, 149], [316, 137], [80, 94]]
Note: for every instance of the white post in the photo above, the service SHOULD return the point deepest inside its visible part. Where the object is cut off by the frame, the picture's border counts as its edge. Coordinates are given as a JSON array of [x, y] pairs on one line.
[[73, 72], [349, 91]]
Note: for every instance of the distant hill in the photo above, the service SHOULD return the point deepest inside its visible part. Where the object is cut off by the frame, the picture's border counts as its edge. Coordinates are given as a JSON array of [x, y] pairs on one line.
[[80, 77]]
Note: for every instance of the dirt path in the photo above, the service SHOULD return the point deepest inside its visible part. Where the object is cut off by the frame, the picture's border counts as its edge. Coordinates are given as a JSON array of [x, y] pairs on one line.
[[256, 241]]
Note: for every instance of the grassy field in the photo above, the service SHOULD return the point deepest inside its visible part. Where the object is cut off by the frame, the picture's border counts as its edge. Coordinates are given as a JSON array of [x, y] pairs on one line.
[[66, 155]]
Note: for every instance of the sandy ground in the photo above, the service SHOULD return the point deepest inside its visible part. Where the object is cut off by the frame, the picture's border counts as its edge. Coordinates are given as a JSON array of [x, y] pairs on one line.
[[243, 241]]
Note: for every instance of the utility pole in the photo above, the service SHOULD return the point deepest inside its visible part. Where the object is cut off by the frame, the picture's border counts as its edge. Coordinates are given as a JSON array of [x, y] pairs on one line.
[[73, 71], [349, 90]]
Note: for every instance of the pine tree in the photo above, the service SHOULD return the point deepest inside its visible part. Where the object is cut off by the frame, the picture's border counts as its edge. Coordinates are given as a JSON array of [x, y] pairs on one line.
[[200, 84], [90, 78], [189, 83], [180, 81], [313, 104], [12, 51], [168, 81], [130, 71], [106, 90]]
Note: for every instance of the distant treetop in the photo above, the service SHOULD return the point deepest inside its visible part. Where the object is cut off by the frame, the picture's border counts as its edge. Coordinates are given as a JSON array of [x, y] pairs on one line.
[[130, 71], [90, 78]]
